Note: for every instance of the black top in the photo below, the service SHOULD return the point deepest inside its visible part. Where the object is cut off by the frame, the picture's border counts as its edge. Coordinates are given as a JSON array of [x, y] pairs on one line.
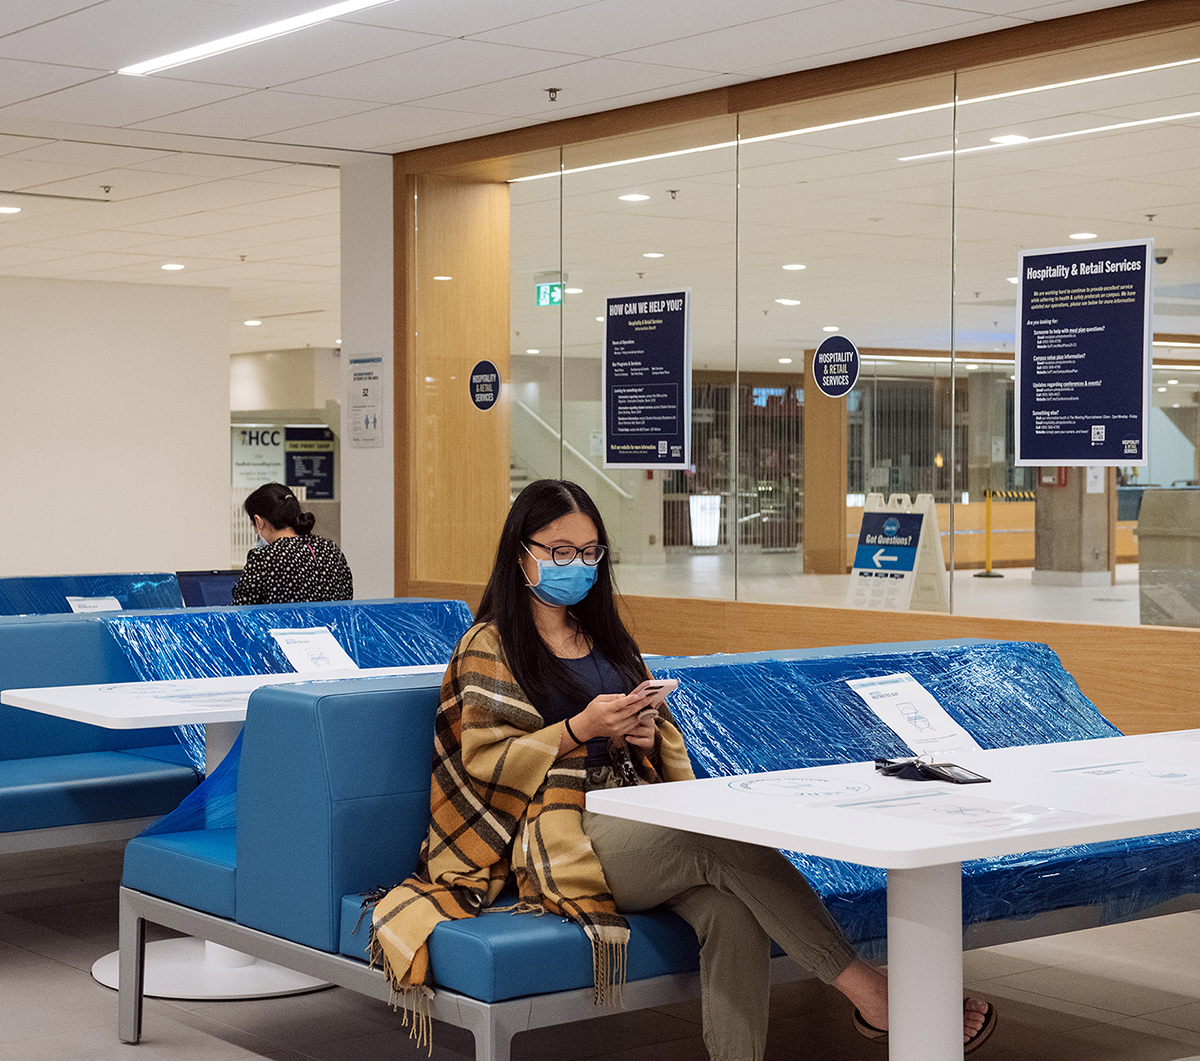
[[596, 675], [294, 571]]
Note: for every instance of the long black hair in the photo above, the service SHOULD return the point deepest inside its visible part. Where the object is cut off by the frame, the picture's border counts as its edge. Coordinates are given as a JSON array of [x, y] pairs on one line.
[[279, 507], [506, 599]]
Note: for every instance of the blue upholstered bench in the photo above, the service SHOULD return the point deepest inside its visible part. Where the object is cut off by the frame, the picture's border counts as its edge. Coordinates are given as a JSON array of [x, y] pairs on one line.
[[327, 809], [63, 782]]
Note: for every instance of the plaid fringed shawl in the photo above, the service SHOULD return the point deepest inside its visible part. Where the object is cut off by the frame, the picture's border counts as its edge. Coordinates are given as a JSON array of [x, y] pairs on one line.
[[502, 802]]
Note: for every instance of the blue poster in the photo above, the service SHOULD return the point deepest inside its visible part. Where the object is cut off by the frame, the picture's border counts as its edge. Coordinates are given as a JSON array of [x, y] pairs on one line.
[[835, 366], [1084, 354], [647, 393], [308, 454], [887, 541]]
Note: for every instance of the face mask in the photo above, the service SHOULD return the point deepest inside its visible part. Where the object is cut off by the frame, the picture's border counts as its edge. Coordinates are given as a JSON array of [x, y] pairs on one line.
[[260, 543], [563, 585]]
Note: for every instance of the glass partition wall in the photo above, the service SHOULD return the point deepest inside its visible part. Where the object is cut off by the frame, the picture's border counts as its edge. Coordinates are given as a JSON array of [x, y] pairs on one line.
[[894, 217]]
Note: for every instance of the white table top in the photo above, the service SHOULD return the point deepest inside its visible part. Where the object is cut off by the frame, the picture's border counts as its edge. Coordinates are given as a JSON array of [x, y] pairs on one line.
[[139, 705], [1039, 796]]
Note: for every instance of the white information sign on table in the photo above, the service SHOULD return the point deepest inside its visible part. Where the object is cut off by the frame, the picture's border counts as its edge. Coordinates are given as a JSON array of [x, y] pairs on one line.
[[313, 649], [909, 710], [83, 605], [1040, 796]]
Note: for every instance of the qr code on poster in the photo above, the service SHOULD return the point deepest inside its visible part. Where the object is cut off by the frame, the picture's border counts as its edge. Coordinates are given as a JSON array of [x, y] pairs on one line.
[[1097, 432]]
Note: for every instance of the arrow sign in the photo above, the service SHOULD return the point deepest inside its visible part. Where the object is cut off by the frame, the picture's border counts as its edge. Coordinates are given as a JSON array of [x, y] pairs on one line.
[[881, 558]]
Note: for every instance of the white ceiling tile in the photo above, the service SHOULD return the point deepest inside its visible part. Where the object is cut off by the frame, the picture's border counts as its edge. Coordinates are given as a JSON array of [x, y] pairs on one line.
[[119, 33], [428, 71], [254, 114], [21, 80], [18, 174], [214, 166], [299, 176], [172, 223], [117, 101], [620, 25], [87, 157], [805, 36], [123, 184], [462, 18], [591, 84], [324, 202], [20, 14], [318, 50], [378, 129]]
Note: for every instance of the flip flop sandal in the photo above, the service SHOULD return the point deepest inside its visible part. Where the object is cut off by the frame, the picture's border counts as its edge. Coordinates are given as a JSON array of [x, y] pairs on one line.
[[880, 1035]]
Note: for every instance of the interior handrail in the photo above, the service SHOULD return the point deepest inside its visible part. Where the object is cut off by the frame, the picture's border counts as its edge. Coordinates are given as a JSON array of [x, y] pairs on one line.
[[557, 436]]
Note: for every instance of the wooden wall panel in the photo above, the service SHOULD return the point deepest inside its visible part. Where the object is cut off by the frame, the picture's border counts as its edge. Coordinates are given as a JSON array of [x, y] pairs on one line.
[[457, 455], [825, 476], [1142, 678]]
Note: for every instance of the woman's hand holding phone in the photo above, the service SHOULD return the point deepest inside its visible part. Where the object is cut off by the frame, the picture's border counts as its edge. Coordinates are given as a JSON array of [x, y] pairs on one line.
[[616, 715]]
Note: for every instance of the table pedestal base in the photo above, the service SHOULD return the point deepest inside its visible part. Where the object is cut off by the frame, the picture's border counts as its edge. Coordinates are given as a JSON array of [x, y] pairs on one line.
[[925, 992], [190, 968]]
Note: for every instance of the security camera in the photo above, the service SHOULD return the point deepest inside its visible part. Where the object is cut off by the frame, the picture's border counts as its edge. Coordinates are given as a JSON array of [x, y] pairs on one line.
[[1161, 256]]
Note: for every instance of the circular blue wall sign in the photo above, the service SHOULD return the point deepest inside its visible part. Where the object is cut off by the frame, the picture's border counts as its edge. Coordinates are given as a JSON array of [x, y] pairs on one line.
[[835, 366], [485, 385]]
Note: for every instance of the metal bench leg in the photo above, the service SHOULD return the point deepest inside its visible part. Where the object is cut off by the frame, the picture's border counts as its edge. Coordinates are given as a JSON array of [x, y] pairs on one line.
[[132, 975]]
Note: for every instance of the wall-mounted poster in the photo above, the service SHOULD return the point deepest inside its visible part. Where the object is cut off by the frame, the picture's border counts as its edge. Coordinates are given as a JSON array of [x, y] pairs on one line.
[[1084, 336], [309, 457], [647, 393], [364, 399], [256, 454]]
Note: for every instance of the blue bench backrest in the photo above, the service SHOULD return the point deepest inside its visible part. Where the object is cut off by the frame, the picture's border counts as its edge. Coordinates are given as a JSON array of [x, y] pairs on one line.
[[47, 594], [62, 650], [218, 642]]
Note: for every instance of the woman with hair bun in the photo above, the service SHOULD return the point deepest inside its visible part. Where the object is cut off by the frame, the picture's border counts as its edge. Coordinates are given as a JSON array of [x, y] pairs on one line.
[[289, 564]]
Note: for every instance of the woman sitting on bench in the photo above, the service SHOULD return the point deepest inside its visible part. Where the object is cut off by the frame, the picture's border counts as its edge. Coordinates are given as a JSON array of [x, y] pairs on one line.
[[535, 711]]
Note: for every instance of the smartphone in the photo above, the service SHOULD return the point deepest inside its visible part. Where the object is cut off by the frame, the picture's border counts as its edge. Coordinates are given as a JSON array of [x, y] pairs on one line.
[[658, 690]]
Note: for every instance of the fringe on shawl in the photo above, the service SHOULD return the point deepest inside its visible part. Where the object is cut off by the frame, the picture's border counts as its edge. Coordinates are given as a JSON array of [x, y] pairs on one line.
[[415, 1000], [610, 964]]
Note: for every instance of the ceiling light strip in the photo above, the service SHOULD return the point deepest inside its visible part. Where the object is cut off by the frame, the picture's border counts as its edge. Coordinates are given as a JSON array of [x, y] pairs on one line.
[[1054, 136], [250, 36]]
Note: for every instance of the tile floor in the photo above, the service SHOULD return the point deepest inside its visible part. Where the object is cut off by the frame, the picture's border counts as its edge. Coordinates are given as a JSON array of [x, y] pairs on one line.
[[775, 578], [1121, 993]]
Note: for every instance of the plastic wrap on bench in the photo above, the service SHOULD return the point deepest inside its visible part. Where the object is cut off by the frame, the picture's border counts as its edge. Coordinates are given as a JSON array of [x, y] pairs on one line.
[[237, 641], [47, 594], [794, 713]]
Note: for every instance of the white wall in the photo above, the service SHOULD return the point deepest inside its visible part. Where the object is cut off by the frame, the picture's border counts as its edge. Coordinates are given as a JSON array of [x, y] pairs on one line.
[[285, 379], [114, 427], [367, 484]]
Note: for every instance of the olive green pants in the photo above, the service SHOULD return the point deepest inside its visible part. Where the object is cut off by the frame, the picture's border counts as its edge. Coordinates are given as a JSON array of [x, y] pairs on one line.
[[737, 897]]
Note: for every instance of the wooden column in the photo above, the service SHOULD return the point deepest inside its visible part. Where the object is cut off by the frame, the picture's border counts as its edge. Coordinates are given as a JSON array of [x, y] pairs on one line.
[[825, 452], [452, 458]]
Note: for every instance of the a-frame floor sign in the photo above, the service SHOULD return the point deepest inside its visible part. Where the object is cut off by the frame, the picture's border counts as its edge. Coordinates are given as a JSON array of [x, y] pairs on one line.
[[899, 563]]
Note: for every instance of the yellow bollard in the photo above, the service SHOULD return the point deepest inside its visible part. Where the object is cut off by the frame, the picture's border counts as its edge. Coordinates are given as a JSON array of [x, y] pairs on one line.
[[987, 571]]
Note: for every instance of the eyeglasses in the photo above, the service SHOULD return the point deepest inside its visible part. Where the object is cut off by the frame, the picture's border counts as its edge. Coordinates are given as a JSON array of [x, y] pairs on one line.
[[565, 554]]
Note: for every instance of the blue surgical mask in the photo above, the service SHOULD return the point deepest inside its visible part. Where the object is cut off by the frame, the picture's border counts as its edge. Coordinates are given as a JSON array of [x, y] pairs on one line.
[[562, 585], [260, 543]]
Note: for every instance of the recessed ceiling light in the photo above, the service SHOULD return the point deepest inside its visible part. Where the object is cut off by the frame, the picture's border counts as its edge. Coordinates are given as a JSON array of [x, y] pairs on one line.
[[831, 328], [1013, 378], [785, 360], [972, 368], [1013, 279], [1172, 382], [1083, 235], [337, 342], [533, 351], [250, 36], [633, 197], [795, 266], [574, 290], [252, 324], [1162, 390], [1174, 405], [443, 278], [1008, 138], [600, 319], [10, 209], [788, 301], [172, 267], [652, 254]]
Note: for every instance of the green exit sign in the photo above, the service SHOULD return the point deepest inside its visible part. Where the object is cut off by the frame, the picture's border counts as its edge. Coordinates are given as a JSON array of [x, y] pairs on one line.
[[549, 294]]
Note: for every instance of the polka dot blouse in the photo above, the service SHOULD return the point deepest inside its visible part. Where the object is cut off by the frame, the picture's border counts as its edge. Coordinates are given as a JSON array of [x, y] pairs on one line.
[[294, 571]]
